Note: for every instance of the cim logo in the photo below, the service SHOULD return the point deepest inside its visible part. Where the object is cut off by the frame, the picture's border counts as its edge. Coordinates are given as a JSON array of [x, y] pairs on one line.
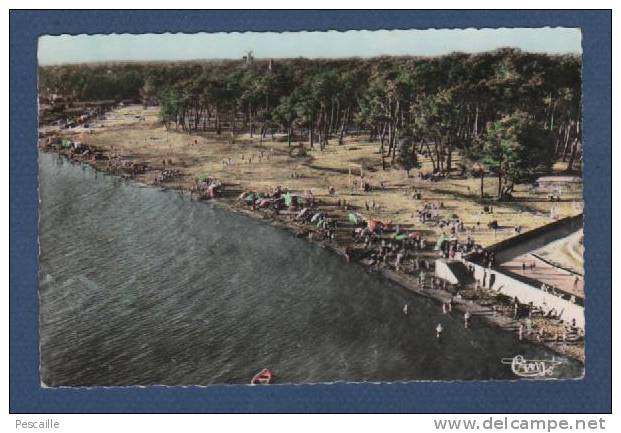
[[523, 367]]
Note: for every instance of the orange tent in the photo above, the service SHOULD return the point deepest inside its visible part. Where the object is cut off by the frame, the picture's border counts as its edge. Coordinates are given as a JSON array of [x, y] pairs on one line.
[[373, 225]]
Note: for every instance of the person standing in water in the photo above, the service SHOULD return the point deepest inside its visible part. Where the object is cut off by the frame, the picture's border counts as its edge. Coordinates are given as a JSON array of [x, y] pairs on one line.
[[439, 330]]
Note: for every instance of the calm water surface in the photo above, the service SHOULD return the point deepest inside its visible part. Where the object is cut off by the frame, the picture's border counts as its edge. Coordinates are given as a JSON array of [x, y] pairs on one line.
[[140, 286]]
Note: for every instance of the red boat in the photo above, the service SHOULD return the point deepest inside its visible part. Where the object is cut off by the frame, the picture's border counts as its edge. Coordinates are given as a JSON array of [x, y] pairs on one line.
[[263, 377]]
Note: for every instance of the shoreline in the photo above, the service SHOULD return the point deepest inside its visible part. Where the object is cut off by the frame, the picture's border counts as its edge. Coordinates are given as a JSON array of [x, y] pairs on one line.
[[409, 283], [477, 310]]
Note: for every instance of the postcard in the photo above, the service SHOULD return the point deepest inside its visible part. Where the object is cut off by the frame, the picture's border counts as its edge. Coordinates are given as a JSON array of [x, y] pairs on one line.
[[311, 207]]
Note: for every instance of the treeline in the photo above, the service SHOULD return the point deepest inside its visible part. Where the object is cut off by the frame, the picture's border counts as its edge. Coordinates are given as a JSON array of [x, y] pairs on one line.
[[510, 112]]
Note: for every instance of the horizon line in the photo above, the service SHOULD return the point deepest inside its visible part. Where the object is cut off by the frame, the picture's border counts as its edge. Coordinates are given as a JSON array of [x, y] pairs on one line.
[[263, 59]]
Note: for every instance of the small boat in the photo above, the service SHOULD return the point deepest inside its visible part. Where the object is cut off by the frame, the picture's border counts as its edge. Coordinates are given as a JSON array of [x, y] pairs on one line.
[[263, 377]]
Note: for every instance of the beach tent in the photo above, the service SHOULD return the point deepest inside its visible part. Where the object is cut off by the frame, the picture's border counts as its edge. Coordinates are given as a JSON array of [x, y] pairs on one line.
[[303, 212], [316, 217], [373, 225], [212, 190], [354, 218], [444, 237], [288, 199], [250, 198], [265, 202]]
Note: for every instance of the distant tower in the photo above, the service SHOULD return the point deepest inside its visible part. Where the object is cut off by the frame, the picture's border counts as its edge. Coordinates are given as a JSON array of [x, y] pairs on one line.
[[248, 58]]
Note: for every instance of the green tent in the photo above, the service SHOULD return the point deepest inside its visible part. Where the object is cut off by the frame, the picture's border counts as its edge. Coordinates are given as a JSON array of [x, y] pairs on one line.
[[441, 239], [250, 198], [288, 199], [401, 236], [354, 218]]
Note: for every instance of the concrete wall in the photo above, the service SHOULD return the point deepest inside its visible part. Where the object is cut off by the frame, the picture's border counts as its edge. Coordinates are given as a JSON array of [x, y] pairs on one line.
[[454, 271], [443, 271], [526, 293], [535, 239]]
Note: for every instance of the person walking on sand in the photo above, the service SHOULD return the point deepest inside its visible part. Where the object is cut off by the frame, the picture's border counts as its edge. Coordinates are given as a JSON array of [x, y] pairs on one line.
[[398, 261]]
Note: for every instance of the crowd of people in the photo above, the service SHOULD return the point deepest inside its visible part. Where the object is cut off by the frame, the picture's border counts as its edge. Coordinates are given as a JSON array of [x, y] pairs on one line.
[[377, 244], [386, 245], [207, 187], [166, 175]]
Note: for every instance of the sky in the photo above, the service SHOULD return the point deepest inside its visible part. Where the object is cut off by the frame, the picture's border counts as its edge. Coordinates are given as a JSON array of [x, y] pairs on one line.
[[359, 43]]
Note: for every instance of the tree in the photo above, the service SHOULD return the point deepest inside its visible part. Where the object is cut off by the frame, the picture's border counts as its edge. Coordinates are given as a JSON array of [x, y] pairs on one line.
[[437, 122], [169, 106], [514, 148], [443, 103], [285, 115], [406, 155]]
